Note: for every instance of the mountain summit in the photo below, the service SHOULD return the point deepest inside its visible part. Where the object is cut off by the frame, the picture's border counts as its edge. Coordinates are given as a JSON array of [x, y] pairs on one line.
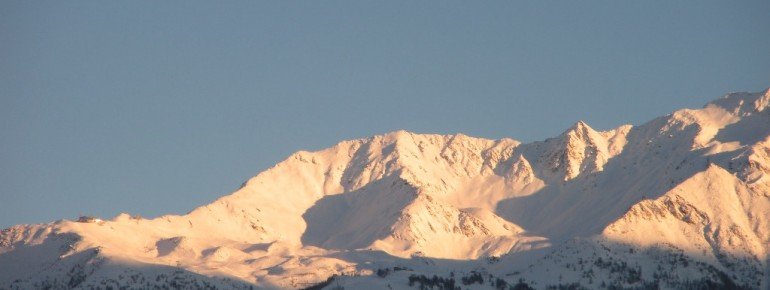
[[680, 202]]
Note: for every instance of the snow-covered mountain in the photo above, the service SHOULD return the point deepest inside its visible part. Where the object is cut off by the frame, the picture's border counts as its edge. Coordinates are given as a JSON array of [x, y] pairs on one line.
[[681, 202]]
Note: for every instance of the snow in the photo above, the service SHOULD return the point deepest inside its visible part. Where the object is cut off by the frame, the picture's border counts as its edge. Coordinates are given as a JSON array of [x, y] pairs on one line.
[[681, 199]]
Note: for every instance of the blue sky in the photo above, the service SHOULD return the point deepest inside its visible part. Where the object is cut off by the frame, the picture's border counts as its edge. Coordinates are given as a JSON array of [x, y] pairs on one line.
[[159, 107]]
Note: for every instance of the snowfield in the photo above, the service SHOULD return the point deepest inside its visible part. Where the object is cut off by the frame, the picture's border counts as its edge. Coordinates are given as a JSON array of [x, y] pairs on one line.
[[680, 202]]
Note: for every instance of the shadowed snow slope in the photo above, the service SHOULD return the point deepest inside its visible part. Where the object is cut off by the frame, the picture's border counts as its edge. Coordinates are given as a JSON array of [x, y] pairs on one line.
[[683, 201]]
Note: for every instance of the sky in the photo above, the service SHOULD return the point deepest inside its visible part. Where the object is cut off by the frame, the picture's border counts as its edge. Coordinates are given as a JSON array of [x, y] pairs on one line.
[[161, 106]]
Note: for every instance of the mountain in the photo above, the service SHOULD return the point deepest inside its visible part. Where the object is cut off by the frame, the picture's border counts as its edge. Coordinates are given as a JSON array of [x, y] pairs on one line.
[[680, 202]]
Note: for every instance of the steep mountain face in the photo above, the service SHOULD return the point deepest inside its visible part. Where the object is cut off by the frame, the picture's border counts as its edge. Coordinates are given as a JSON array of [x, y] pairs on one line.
[[682, 201], [579, 150]]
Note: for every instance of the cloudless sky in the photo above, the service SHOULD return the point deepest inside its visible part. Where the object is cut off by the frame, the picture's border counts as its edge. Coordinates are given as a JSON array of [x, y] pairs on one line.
[[162, 106]]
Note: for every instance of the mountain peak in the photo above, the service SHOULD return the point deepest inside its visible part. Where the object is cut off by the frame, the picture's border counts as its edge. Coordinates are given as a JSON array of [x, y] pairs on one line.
[[582, 131], [396, 135], [580, 124], [743, 103]]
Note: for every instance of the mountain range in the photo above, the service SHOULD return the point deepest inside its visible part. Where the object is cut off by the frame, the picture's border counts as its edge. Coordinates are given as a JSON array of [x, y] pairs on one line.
[[679, 202]]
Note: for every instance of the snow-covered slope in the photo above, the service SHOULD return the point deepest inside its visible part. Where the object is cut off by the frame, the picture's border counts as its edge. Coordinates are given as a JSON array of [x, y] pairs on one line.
[[681, 201]]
